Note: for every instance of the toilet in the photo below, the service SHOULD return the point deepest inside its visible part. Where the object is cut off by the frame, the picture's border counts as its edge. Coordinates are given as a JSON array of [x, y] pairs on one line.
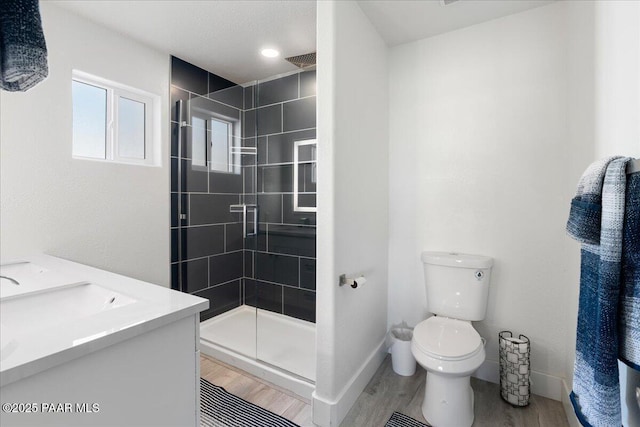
[[446, 345]]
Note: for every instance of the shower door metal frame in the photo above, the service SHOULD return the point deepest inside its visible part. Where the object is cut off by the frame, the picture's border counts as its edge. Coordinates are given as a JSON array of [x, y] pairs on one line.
[[181, 215]]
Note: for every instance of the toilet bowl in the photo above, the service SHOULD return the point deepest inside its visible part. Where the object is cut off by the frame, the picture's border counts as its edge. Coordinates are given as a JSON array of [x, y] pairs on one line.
[[450, 350], [446, 345]]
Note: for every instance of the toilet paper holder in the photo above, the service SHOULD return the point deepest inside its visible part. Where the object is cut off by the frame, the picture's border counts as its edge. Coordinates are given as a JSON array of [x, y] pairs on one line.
[[354, 282]]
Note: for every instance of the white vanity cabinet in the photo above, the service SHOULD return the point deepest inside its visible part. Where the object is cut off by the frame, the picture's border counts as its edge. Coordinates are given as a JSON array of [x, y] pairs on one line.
[[134, 365]]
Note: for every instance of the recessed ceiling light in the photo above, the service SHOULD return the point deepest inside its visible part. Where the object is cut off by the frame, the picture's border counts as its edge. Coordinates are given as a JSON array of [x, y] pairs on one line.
[[270, 53]]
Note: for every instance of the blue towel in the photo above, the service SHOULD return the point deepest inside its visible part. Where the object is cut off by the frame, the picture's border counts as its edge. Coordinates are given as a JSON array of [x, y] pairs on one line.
[[596, 389], [629, 316], [23, 51], [586, 206]]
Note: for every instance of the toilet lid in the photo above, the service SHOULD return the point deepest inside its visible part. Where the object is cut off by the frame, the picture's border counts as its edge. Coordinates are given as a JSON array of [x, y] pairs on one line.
[[446, 338]]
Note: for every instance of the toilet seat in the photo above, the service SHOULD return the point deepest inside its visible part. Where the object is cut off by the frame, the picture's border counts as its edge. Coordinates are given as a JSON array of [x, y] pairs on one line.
[[447, 339]]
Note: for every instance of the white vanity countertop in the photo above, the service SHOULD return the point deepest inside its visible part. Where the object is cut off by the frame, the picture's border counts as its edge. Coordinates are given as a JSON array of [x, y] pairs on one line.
[[42, 327]]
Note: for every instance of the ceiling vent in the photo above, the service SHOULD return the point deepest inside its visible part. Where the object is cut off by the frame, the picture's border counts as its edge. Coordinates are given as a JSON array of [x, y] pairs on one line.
[[303, 61], [447, 2]]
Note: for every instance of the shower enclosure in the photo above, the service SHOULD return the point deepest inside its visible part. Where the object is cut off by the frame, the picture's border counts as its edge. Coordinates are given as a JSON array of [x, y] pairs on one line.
[[243, 214]]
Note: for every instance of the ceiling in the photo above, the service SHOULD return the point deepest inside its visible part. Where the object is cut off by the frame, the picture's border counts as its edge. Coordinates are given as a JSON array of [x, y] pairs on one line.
[[406, 21], [225, 37]]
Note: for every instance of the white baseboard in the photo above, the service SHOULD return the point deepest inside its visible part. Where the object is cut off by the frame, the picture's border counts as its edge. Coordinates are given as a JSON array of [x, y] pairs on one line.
[[330, 413], [568, 408], [541, 384]]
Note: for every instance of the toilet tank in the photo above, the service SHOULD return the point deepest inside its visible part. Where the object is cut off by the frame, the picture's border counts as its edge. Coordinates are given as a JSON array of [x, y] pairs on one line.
[[457, 284]]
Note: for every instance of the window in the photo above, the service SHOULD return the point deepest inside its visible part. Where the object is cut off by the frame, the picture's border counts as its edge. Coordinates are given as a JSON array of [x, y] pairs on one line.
[[213, 144], [114, 122], [221, 146]]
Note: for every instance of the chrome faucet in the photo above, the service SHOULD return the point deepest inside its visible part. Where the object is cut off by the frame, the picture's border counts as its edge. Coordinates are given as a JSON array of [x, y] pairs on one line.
[[11, 279]]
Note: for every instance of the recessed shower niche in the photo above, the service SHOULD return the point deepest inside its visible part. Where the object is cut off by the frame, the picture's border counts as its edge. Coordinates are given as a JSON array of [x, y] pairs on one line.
[[243, 220]]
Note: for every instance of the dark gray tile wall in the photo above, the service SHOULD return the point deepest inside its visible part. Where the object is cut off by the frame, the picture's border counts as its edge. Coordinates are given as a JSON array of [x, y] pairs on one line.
[[188, 77], [277, 91], [274, 270], [225, 297], [299, 303], [299, 114], [194, 79]]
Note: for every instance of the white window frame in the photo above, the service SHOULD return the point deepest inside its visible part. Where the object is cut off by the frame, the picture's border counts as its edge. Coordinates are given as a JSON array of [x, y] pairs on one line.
[[234, 153], [115, 91]]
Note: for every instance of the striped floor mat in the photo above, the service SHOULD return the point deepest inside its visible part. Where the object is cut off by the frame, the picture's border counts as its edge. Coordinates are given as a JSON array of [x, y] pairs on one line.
[[402, 420], [219, 408]]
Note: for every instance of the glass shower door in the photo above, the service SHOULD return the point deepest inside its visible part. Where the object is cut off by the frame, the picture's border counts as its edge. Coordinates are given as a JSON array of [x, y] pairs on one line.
[[211, 224], [285, 245], [243, 216]]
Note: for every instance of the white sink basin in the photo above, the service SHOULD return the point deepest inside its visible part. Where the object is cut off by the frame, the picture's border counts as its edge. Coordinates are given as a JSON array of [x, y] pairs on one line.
[[59, 306], [49, 311], [22, 277]]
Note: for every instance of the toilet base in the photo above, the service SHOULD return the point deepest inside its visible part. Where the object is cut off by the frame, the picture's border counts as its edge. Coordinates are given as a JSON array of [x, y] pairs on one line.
[[448, 401]]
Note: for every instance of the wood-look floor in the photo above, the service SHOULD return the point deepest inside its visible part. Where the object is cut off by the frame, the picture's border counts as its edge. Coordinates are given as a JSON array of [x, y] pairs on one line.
[[388, 392], [256, 391], [385, 393]]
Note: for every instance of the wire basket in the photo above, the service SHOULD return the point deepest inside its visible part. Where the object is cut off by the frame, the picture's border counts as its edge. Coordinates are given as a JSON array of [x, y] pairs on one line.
[[515, 371]]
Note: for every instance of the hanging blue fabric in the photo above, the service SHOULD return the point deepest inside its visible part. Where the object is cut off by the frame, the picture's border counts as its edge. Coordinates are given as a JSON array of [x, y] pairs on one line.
[[23, 51], [596, 389], [629, 315]]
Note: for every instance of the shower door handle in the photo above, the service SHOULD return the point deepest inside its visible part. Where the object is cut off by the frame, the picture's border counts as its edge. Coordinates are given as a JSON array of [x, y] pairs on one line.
[[244, 208], [255, 220]]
